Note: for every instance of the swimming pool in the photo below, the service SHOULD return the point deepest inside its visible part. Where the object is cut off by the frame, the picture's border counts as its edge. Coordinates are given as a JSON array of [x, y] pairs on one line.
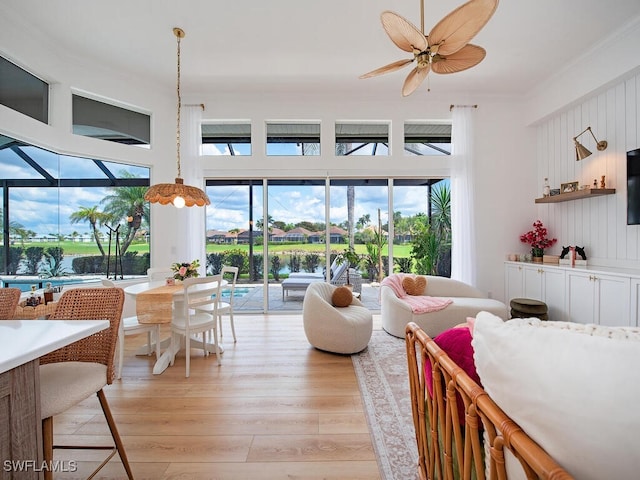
[[239, 292], [24, 282]]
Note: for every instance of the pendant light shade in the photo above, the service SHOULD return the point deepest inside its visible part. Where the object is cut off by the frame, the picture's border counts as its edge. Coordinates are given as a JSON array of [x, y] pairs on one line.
[[178, 194]]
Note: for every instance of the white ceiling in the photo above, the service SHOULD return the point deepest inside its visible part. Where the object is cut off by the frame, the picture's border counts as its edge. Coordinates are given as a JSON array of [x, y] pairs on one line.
[[249, 46]]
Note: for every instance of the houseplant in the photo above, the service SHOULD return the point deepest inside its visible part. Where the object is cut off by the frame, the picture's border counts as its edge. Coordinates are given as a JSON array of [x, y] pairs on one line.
[[185, 270], [538, 240]]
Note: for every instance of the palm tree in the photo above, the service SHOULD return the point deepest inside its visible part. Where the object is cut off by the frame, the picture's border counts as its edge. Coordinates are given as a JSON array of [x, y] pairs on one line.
[[441, 211], [351, 200], [127, 203], [441, 225], [94, 217]]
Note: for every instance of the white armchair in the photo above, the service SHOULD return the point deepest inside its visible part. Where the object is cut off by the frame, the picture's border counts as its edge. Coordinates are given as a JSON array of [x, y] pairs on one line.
[[339, 330]]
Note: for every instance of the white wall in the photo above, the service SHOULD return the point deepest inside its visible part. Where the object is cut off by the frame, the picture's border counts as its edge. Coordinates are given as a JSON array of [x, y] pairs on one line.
[[599, 224], [505, 158]]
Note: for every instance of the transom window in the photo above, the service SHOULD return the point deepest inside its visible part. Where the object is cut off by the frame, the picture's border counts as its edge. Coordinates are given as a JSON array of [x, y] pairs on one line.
[[427, 138], [23, 92], [362, 139], [287, 138], [95, 119], [226, 138]]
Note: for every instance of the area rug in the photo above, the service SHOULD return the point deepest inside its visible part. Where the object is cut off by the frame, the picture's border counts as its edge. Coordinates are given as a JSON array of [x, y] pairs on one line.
[[383, 379]]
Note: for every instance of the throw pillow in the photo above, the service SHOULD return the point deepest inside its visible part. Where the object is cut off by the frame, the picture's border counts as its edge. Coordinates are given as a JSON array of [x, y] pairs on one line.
[[456, 343], [414, 285], [342, 297], [569, 386]]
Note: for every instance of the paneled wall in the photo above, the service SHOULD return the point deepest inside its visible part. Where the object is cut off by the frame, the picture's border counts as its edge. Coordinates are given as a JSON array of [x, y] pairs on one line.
[[599, 224]]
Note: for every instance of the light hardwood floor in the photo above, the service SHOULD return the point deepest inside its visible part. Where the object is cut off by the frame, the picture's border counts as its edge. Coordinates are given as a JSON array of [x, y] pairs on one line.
[[275, 409]]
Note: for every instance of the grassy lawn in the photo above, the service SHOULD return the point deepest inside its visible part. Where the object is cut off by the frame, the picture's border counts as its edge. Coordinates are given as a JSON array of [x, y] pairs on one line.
[[276, 249], [76, 248]]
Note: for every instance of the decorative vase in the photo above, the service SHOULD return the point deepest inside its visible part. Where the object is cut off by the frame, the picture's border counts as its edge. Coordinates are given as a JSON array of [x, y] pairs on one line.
[[537, 254]]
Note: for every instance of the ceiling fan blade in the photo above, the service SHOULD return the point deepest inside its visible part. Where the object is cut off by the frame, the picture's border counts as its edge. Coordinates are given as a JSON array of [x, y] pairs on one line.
[[414, 79], [467, 57], [392, 67], [458, 28], [402, 32]]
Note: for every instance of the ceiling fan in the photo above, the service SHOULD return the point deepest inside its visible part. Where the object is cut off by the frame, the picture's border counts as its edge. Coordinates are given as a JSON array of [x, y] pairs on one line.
[[445, 50]]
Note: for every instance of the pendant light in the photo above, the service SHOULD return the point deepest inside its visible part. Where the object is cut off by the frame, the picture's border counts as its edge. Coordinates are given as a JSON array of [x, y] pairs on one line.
[[177, 193]]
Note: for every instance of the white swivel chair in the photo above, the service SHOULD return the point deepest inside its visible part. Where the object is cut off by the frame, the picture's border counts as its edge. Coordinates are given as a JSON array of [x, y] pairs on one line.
[[131, 326], [199, 314], [226, 308]]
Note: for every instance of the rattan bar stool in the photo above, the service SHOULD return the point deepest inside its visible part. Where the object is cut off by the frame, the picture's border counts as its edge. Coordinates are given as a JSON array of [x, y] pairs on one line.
[[9, 299], [73, 373]]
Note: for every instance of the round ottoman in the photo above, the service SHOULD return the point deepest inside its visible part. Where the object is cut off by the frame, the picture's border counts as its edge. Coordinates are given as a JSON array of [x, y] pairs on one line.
[[528, 307], [343, 330]]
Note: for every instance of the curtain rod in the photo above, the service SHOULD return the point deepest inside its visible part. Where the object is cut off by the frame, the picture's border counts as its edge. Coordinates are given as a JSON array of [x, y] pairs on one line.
[[201, 105], [462, 106]]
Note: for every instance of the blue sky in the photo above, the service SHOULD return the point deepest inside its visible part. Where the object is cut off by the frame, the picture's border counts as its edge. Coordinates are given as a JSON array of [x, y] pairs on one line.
[[47, 210]]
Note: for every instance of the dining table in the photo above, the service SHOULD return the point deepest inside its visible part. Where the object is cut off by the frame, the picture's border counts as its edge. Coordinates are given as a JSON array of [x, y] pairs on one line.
[[22, 343], [158, 302]]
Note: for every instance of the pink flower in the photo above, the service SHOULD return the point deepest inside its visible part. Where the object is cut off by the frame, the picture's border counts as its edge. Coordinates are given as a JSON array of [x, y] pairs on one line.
[[183, 271], [537, 237]]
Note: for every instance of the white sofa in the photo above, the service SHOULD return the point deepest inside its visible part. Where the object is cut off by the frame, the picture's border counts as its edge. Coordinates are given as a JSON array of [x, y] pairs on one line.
[[467, 301]]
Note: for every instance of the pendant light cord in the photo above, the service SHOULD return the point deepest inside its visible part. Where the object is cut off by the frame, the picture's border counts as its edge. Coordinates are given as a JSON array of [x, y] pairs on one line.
[[178, 35]]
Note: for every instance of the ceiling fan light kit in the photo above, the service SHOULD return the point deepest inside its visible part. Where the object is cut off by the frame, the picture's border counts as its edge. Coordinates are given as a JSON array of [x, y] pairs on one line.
[[178, 194], [445, 50]]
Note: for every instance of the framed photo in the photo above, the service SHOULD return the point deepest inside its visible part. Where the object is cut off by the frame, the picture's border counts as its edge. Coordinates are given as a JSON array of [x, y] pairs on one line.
[[569, 187]]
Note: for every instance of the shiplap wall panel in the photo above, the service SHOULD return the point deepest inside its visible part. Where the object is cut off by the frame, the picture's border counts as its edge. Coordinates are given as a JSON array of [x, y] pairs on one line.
[[598, 223]]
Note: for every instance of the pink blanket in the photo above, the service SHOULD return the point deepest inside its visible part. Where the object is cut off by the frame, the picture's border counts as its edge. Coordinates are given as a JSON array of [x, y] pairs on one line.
[[418, 303]]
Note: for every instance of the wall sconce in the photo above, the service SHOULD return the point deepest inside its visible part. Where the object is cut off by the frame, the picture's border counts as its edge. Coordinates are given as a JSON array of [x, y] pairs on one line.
[[581, 151]]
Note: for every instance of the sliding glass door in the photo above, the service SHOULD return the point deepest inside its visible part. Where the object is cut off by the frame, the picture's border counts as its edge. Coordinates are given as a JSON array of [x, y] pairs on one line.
[[282, 233]]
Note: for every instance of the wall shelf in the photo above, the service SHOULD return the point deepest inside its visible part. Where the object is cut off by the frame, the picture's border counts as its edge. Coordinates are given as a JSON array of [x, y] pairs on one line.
[[586, 193]]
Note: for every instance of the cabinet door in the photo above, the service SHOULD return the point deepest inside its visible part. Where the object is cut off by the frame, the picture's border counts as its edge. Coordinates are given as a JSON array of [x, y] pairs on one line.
[[634, 314], [580, 297], [512, 282], [613, 295], [533, 282], [554, 292]]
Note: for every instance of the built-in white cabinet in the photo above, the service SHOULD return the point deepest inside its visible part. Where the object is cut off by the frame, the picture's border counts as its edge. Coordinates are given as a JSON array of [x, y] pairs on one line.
[[598, 298], [539, 282], [634, 303], [513, 281], [580, 295]]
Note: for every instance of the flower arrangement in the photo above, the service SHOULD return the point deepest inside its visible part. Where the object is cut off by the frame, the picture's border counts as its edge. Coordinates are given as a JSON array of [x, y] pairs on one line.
[[185, 270], [537, 238]]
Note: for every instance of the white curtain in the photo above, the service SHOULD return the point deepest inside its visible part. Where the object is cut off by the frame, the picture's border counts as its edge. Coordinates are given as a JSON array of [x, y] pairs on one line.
[[463, 238], [191, 220]]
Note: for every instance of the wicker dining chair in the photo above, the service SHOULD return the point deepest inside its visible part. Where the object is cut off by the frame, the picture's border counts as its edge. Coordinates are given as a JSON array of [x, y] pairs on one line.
[[9, 299], [71, 374]]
